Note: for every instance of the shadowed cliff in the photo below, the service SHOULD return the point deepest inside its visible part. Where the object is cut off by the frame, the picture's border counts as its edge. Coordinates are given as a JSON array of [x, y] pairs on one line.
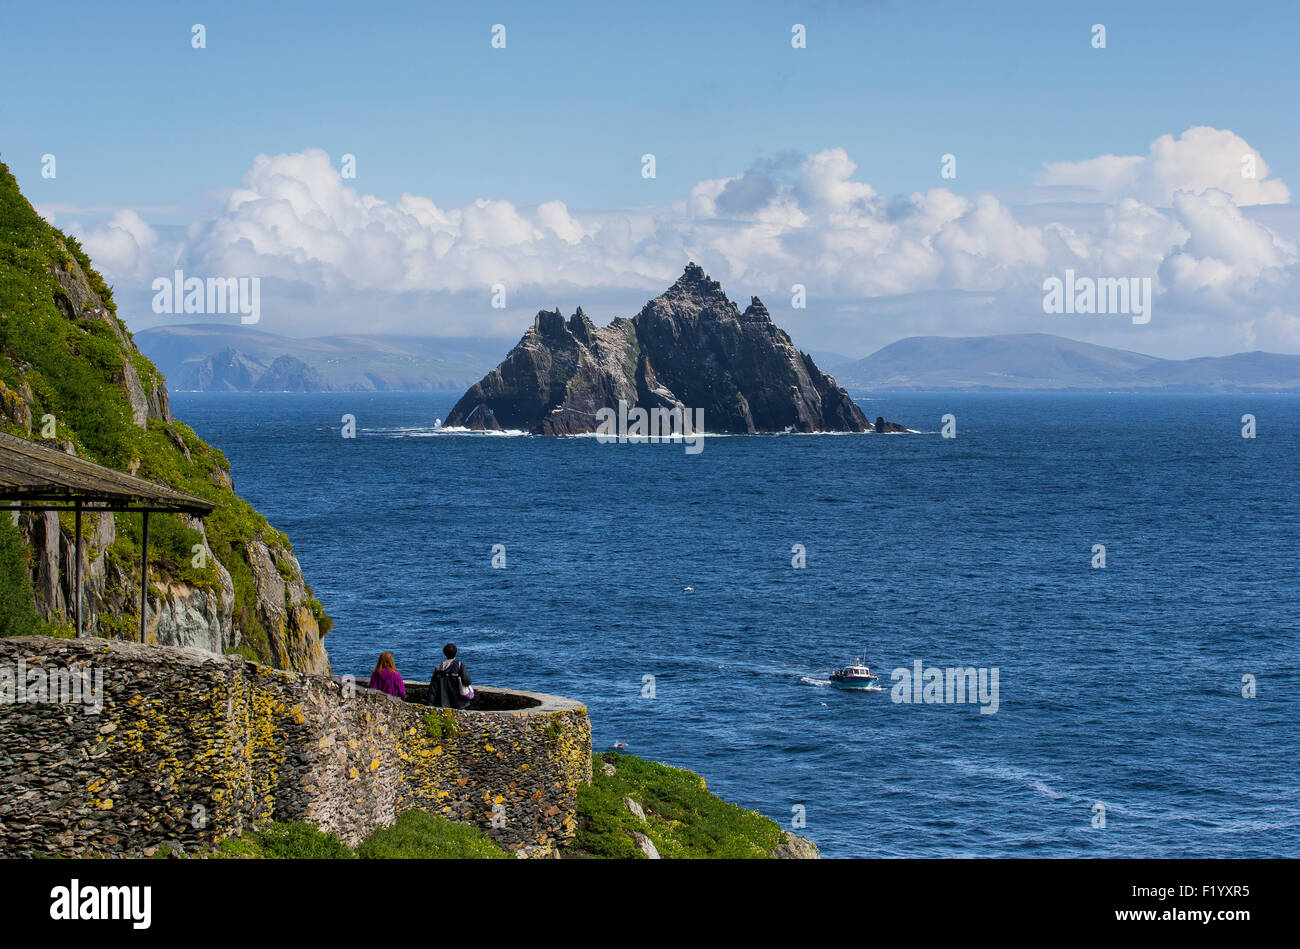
[[689, 348]]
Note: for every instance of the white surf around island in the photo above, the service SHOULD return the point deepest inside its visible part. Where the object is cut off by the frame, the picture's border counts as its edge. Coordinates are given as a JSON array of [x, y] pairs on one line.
[[432, 431]]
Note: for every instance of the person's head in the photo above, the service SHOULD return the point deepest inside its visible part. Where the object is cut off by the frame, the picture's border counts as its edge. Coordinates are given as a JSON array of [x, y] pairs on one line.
[[385, 662], [449, 650]]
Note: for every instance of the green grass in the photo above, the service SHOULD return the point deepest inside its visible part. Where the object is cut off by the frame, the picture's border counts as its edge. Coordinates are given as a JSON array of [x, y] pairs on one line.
[[421, 835], [244, 652], [683, 818], [17, 606], [171, 548], [289, 841], [415, 835], [440, 724]]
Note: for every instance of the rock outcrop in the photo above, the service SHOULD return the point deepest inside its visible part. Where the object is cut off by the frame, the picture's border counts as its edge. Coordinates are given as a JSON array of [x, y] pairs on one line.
[[690, 348], [883, 427], [795, 847]]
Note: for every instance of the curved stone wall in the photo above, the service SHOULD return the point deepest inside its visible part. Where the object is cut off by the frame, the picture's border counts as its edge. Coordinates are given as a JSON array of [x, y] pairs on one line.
[[187, 746]]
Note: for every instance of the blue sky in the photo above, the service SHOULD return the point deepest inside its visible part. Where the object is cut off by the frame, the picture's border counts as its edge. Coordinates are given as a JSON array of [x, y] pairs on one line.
[[140, 120], [581, 92]]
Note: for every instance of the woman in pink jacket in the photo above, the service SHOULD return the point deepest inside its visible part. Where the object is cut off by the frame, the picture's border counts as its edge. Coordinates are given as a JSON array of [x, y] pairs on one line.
[[385, 677]]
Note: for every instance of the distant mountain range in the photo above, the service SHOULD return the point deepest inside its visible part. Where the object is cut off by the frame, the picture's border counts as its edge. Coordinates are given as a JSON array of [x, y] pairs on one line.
[[1043, 361], [223, 358]]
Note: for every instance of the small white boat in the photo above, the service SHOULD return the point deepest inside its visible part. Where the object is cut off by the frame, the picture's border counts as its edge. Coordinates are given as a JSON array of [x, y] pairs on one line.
[[854, 675]]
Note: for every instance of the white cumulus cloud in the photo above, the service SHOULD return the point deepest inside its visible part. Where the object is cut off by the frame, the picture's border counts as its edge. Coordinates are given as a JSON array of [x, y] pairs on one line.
[[125, 246], [1200, 158], [1181, 214]]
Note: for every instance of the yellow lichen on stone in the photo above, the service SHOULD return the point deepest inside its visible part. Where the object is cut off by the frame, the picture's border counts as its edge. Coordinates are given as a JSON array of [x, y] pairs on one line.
[[240, 738]]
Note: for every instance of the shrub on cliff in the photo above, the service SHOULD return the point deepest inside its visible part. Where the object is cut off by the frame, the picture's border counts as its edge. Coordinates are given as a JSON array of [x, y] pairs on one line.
[[420, 835], [682, 817], [416, 835], [290, 841], [17, 611]]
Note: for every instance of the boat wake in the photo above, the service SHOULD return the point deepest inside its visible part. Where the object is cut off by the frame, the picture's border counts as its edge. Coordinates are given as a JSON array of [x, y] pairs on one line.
[[998, 771], [827, 683]]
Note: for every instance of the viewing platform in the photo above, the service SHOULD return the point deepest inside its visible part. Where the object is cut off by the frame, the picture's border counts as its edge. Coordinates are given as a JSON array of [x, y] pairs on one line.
[[486, 698], [125, 745]]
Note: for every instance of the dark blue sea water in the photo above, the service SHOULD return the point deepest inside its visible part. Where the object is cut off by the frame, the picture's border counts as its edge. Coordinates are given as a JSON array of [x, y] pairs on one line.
[[1120, 686]]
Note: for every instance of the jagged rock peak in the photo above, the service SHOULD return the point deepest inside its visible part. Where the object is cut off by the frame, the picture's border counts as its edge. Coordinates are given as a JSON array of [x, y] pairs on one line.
[[695, 282], [549, 322], [581, 327], [756, 311], [689, 347]]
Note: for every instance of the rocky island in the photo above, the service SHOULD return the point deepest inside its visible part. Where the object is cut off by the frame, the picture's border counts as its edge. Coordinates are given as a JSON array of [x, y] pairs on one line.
[[690, 348]]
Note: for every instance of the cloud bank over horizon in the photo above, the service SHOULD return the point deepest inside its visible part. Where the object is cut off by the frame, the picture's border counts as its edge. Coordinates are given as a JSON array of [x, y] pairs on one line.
[[1199, 214]]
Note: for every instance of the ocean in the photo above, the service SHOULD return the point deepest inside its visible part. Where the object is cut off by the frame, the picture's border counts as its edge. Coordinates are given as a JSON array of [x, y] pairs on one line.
[[1121, 728]]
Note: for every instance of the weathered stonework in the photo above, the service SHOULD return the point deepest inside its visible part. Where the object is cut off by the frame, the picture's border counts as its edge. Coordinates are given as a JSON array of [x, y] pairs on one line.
[[190, 747]]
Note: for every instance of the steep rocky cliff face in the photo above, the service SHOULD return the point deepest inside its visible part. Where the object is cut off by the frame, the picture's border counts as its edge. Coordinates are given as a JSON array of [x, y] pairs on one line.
[[689, 348], [71, 376]]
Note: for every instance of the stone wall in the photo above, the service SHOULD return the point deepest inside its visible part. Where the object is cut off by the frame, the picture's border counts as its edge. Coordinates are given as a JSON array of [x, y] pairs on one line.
[[190, 747]]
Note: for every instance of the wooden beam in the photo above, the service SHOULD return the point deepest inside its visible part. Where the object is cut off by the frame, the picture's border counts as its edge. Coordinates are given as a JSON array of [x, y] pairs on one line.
[[144, 574], [22, 507], [76, 546]]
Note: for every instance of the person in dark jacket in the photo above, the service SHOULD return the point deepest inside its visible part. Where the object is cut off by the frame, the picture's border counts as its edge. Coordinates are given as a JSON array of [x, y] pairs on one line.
[[448, 678]]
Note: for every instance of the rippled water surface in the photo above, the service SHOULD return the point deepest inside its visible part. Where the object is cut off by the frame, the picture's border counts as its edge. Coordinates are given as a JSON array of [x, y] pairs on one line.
[[1120, 686]]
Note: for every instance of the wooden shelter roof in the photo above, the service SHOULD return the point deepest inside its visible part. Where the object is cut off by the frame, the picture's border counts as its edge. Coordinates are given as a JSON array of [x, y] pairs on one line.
[[36, 474]]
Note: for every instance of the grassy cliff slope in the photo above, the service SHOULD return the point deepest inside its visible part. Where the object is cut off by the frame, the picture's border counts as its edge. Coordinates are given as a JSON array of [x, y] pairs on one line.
[[72, 377], [678, 815]]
